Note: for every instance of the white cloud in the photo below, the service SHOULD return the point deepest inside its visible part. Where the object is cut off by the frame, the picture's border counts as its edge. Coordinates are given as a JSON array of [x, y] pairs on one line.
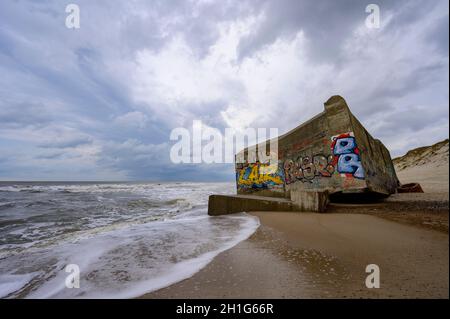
[[105, 98], [133, 119]]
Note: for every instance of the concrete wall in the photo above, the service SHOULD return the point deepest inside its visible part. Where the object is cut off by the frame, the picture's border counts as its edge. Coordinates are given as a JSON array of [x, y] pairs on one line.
[[300, 201], [379, 169], [229, 204], [330, 153]]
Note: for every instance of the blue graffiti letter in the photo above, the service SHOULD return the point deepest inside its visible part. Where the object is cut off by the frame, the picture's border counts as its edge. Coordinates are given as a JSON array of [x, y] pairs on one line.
[[350, 163], [344, 145]]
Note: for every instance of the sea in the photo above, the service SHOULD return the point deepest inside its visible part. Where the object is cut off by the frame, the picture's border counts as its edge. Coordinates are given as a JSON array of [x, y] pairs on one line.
[[109, 240]]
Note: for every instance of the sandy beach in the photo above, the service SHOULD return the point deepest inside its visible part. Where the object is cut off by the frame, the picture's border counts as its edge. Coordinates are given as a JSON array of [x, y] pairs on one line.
[[311, 255], [307, 255]]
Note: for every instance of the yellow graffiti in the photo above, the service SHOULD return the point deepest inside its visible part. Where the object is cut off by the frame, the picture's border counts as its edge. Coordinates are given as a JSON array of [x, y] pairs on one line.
[[258, 175]]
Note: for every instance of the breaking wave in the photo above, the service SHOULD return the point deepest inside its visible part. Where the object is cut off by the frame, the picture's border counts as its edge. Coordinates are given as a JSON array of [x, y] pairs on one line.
[[127, 238]]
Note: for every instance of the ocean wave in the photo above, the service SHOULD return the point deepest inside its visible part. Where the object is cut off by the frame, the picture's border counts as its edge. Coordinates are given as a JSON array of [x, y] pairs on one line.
[[128, 238], [7, 222], [143, 260], [137, 188], [7, 205], [9, 189], [11, 283]]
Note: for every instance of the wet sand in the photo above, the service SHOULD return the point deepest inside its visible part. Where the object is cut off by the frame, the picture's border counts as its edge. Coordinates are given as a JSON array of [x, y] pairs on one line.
[[308, 255]]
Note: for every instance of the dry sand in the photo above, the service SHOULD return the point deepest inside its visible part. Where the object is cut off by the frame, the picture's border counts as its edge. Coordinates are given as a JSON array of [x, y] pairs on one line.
[[307, 255]]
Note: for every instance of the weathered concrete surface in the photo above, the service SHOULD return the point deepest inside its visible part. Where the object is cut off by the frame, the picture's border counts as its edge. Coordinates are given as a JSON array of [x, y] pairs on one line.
[[331, 152], [229, 204], [308, 201]]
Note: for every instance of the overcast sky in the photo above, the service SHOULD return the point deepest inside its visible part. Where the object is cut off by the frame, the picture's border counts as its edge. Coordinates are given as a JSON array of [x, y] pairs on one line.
[[99, 102]]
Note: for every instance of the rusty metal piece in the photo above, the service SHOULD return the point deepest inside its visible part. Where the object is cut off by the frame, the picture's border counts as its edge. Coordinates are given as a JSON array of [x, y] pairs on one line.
[[410, 188]]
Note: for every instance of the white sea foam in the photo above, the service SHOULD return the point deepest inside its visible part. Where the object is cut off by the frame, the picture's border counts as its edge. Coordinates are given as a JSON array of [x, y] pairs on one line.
[[127, 239], [9, 189], [121, 270], [10, 283]]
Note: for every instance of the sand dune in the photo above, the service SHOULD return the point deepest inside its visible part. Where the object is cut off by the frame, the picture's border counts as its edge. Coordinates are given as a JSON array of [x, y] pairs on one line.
[[426, 165]]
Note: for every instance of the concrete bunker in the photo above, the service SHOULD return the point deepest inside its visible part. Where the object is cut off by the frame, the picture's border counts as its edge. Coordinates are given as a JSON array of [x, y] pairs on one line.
[[330, 155]]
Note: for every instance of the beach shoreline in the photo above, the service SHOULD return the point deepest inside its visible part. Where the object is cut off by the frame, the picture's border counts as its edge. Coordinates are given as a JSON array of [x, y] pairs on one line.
[[310, 255]]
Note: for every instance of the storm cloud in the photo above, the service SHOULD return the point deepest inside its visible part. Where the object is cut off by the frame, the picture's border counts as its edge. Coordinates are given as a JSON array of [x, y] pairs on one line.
[[99, 102]]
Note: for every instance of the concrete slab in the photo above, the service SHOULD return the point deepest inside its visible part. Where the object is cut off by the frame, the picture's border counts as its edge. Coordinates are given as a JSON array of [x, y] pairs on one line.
[[230, 204]]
